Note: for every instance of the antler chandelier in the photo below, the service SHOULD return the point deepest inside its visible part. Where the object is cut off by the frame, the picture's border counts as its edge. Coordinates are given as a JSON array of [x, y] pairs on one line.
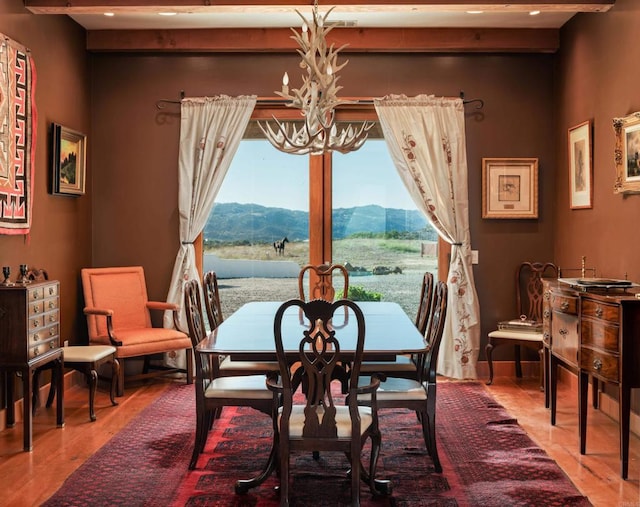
[[316, 98]]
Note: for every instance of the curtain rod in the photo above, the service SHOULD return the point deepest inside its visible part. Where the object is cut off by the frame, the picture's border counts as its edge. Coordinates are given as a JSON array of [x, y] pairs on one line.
[[162, 103]]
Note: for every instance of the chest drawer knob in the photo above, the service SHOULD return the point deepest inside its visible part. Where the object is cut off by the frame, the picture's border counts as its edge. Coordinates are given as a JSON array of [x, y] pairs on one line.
[[563, 332], [599, 312], [52, 304], [564, 306], [597, 364]]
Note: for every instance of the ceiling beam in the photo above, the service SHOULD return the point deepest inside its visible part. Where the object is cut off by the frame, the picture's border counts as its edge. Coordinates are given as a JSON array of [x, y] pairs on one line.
[[198, 6], [261, 40]]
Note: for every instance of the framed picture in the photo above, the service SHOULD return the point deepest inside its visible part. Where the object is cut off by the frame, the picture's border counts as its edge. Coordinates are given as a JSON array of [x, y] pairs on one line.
[[509, 188], [580, 166], [627, 154], [68, 151]]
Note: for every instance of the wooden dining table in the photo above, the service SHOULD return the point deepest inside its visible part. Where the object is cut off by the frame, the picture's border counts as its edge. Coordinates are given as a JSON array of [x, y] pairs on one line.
[[248, 335]]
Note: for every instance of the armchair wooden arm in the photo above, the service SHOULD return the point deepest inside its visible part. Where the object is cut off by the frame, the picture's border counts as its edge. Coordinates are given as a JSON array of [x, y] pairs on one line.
[[106, 312], [163, 306], [159, 305]]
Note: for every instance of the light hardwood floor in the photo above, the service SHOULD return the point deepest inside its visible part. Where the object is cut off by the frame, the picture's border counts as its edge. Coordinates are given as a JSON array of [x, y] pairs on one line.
[[27, 479]]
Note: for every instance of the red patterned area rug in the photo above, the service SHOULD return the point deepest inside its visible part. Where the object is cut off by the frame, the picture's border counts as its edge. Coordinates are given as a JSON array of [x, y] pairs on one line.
[[488, 460]]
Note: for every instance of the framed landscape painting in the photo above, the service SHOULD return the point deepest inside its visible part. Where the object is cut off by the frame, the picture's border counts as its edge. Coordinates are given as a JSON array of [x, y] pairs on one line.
[[580, 166], [627, 154], [68, 149], [509, 188]]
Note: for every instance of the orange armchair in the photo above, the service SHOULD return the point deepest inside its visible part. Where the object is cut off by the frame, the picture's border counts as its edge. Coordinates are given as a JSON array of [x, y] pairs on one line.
[[118, 314]]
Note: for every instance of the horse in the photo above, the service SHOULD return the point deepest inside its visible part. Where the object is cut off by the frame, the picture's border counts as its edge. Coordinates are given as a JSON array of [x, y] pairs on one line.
[[278, 246]]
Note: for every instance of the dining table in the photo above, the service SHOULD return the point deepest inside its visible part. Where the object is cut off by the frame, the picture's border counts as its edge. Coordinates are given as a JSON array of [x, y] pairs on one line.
[[248, 335]]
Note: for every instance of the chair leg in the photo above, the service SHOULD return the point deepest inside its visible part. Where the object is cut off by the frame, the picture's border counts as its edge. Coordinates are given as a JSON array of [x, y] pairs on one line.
[[121, 379], [115, 375], [35, 396], [429, 433], [284, 479], [489, 352], [202, 428], [518, 364], [52, 391], [189, 354], [92, 378], [355, 477], [541, 354]]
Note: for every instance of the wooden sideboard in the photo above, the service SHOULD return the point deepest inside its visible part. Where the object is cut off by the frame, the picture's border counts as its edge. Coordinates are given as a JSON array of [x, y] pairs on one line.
[[29, 339], [594, 333]]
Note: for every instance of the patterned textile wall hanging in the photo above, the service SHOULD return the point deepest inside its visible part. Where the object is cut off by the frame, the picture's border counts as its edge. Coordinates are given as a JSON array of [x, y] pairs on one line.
[[17, 136]]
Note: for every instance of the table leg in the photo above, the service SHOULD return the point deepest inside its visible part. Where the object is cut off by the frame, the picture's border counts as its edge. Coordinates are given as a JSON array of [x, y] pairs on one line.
[[27, 386], [583, 388], [11, 407], [244, 485], [624, 414]]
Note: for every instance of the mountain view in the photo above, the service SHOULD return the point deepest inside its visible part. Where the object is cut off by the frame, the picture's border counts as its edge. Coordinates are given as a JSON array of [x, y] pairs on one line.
[[233, 222]]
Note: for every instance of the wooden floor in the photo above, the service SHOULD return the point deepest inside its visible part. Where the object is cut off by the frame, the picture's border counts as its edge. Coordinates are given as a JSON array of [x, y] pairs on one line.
[[29, 478]]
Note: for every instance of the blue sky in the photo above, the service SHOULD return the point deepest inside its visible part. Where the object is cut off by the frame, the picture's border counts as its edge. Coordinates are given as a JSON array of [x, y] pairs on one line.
[[263, 175]]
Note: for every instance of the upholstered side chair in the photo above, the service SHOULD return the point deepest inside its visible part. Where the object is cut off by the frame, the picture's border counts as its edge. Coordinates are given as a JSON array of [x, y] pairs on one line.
[[118, 314]]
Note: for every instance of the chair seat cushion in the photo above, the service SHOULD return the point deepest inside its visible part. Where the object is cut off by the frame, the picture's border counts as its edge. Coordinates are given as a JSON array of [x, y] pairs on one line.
[[148, 340], [402, 363], [241, 387], [250, 366], [86, 353], [343, 420], [395, 389], [515, 335]]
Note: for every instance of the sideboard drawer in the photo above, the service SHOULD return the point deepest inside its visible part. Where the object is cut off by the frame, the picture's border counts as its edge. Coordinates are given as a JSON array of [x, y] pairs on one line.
[[564, 303], [599, 310], [600, 334], [597, 362]]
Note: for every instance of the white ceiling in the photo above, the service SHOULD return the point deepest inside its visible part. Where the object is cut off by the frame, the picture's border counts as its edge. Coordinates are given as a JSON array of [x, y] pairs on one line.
[[359, 16]]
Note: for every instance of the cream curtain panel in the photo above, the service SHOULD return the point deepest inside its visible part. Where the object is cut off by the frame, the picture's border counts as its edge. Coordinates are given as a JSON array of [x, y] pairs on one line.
[[426, 138], [211, 129]]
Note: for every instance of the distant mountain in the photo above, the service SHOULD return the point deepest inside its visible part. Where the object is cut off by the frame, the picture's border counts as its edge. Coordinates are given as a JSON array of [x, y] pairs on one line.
[[232, 222]]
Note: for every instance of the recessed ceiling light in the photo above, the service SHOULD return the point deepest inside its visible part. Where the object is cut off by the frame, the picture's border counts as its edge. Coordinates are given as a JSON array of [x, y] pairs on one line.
[[534, 13], [167, 13], [110, 14], [474, 12]]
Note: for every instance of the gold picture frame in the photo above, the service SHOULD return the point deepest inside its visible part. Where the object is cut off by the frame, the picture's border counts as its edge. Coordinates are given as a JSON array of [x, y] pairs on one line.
[[68, 161], [580, 166], [627, 154], [510, 188]]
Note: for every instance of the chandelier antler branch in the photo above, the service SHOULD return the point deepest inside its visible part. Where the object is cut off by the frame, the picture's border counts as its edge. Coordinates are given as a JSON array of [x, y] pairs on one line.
[[317, 98]]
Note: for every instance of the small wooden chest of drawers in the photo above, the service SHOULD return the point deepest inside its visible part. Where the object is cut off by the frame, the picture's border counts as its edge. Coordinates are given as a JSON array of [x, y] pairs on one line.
[[30, 321], [29, 339]]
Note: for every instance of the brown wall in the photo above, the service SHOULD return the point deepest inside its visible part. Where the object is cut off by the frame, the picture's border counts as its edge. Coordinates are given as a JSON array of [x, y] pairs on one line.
[[598, 81], [60, 239], [135, 152]]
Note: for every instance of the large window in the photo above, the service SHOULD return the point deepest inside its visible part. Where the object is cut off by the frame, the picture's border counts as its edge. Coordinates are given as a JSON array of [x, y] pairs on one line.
[[352, 209]]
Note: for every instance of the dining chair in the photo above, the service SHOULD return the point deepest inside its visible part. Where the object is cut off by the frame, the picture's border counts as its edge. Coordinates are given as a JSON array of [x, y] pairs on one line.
[[214, 392], [525, 330], [118, 314], [419, 395], [213, 307], [408, 366], [314, 422], [320, 279]]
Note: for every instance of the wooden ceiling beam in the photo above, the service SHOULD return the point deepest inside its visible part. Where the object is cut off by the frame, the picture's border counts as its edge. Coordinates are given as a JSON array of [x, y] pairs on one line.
[[273, 40], [196, 6]]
